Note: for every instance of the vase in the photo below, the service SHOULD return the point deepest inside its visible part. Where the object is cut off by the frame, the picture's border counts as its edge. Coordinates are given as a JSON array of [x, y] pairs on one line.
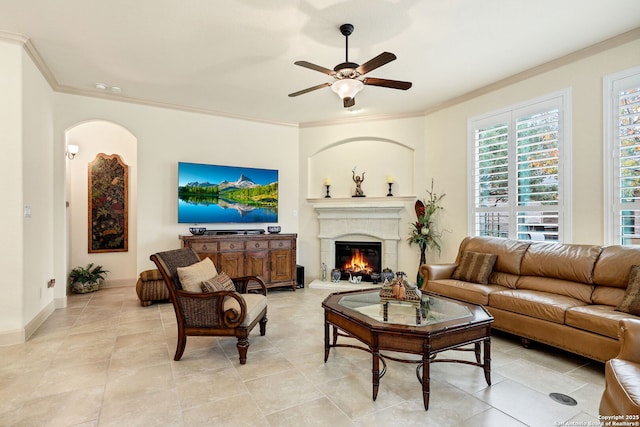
[[83, 288], [423, 260]]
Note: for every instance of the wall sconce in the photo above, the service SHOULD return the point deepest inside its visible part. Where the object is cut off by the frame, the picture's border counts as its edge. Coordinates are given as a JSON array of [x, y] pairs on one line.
[[72, 150]]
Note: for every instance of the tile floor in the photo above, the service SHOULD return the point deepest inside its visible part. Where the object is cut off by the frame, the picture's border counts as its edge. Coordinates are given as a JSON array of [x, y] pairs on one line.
[[107, 361]]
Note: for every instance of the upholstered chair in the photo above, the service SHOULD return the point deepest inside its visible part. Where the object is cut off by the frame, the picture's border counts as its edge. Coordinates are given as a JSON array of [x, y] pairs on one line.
[[229, 309], [621, 395]]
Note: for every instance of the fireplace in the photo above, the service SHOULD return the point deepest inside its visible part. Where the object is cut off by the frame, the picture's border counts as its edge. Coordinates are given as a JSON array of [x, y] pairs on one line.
[[360, 222], [363, 259]]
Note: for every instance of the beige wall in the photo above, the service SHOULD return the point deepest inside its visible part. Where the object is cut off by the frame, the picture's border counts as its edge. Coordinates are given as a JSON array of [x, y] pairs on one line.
[[446, 139], [11, 220], [26, 178]]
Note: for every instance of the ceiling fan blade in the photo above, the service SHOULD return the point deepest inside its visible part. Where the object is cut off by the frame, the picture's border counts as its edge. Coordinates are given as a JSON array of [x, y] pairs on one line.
[[309, 89], [393, 84], [348, 102], [315, 67], [378, 61]]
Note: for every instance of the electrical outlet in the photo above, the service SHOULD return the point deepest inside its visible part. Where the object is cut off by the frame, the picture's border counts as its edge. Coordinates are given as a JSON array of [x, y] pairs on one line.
[[51, 283]]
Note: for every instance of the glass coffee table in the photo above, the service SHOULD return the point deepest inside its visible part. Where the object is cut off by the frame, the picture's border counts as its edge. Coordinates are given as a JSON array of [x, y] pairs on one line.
[[436, 325]]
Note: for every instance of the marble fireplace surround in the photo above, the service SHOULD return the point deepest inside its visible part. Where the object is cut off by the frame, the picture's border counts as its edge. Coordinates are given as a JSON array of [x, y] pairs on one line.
[[360, 222]]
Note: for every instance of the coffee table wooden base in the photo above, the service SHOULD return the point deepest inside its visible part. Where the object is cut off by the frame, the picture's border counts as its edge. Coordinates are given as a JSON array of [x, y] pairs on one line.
[[427, 341], [423, 370]]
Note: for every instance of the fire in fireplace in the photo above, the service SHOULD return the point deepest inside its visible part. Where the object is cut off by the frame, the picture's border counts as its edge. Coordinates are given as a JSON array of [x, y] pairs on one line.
[[362, 259]]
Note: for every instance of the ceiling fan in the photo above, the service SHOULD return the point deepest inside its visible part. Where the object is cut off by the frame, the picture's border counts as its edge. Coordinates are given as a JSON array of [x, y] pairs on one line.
[[347, 74]]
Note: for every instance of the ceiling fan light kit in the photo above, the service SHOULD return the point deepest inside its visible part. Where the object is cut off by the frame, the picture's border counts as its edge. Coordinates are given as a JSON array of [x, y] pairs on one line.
[[347, 74], [347, 90]]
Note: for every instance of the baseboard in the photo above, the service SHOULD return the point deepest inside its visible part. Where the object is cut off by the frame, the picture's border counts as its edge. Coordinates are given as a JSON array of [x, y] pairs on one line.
[[118, 283], [39, 319], [60, 302], [20, 336], [12, 337]]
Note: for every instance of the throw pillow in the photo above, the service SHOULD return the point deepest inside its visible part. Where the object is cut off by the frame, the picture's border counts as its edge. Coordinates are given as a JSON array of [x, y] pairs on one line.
[[475, 267], [221, 282], [191, 277], [631, 301]]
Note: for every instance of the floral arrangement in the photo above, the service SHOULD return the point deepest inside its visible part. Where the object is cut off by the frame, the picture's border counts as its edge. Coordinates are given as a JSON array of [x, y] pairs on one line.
[[423, 231]]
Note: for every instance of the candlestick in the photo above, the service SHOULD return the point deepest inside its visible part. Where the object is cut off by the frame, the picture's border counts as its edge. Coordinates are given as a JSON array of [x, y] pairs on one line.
[[389, 194], [328, 195]]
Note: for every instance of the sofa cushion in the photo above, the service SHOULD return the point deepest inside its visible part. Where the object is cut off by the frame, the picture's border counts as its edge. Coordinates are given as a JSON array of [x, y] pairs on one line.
[[540, 305], [474, 267], [191, 277], [465, 291], [614, 264], [556, 286], [631, 301], [221, 282], [599, 319], [509, 252], [605, 295], [561, 261]]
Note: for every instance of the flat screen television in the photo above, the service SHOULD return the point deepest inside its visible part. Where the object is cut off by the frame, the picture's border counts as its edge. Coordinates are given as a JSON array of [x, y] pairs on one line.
[[233, 194]]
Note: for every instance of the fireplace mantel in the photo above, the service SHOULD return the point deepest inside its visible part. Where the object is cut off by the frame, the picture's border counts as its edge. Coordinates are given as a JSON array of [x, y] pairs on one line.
[[361, 221]]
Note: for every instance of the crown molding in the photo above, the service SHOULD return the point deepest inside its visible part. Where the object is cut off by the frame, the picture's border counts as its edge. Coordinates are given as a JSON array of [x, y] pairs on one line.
[[33, 54], [577, 55], [140, 101]]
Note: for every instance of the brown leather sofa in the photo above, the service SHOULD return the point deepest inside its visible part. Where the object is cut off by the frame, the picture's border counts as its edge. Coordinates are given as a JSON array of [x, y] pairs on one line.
[[621, 395], [563, 295]]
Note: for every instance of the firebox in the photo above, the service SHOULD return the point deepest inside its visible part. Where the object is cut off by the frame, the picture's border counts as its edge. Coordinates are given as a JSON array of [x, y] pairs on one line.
[[362, 259]]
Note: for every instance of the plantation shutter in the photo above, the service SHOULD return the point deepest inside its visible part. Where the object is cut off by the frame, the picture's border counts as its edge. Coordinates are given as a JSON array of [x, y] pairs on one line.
[[492, 180], [517, 172], [537, 151], [627, 159]]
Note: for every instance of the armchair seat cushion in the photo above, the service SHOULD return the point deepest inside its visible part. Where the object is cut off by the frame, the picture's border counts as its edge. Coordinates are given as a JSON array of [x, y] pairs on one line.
[[256, 303]]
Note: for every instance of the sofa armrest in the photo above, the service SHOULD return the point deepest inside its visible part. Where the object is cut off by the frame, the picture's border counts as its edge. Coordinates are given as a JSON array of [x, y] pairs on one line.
[[629, 332], [437, 271]]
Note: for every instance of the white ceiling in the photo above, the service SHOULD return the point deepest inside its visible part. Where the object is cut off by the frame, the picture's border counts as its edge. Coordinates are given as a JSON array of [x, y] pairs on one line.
[[235, 58]]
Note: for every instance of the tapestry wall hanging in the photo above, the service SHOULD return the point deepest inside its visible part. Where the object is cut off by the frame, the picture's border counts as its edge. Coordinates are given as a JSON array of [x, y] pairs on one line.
[[108, 204]]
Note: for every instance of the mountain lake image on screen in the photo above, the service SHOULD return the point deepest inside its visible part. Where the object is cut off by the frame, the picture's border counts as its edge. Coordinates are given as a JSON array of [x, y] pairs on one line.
[[217, 194]]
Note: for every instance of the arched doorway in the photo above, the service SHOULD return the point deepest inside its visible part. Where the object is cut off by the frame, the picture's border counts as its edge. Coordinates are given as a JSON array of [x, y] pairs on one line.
[[91, 138]]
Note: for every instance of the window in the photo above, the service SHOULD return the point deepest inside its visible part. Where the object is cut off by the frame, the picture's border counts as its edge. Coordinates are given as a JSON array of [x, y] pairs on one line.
[[622, 158], [520, 164]]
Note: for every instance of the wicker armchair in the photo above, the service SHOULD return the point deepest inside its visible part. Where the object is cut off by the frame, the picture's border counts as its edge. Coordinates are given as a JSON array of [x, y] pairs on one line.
[[220, 313]]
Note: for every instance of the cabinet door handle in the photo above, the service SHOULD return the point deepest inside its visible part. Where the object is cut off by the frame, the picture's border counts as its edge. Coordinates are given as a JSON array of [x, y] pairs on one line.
[[280, 244], [204, 247], [232, 246], [257, 245]]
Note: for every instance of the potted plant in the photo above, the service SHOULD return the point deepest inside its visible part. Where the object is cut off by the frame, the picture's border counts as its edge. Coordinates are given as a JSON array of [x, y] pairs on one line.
[[86, 279], [423, 231]]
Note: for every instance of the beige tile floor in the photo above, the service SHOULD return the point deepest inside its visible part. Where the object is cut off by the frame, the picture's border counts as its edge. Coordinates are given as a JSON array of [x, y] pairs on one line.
[[107, 361]]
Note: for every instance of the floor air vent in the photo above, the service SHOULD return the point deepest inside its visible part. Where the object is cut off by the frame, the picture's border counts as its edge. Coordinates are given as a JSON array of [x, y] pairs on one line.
[[563, 399]]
